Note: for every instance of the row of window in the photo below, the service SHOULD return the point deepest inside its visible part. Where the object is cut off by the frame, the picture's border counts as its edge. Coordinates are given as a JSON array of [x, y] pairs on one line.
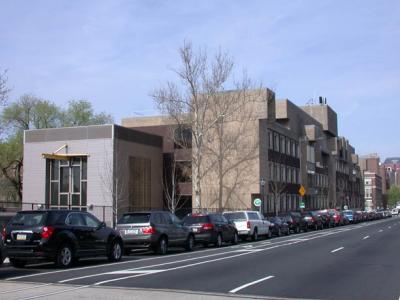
[[283, 202], [318, 180], [282, 173], [282, 144]]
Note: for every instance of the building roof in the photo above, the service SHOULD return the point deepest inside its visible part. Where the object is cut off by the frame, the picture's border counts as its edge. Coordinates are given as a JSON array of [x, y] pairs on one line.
[[392, 160]]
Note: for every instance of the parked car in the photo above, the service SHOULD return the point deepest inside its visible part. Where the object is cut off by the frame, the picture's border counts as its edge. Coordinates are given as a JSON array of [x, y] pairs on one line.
[[211, 228], [313, 220], [248, 224], [295, 221], [2, 248], [395, 212], [349, 215], [154, 230], [335, 215], [278, 226], [62, 236], [327, 220]]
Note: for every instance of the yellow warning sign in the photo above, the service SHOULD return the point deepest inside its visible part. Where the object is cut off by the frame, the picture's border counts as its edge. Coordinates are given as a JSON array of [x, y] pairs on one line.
[[302, 191]]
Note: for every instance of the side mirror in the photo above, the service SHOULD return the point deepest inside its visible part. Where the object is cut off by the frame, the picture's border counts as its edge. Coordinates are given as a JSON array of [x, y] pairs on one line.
[[102, 225]]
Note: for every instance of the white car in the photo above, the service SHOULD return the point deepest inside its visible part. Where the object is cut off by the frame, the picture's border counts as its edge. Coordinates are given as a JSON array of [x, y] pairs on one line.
[[249, 224], [395, 212]]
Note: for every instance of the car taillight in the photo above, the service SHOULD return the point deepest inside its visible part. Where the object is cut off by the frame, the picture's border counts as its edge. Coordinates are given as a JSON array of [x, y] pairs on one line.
[[313, 219], [47, 232], [3, 234], [207, 226], [148, 230], [248, 225]]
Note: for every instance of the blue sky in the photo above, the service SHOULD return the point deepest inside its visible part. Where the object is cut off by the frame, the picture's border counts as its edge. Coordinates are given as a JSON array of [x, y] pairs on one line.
[[114, 53]]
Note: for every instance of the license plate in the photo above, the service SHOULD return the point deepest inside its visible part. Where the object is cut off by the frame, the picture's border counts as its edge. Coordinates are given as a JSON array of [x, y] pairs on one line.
[[195, 229], [131, 231], [21, 237]]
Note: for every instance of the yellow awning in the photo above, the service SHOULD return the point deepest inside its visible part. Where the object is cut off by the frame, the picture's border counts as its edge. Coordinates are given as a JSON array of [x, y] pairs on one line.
[[61, 156]]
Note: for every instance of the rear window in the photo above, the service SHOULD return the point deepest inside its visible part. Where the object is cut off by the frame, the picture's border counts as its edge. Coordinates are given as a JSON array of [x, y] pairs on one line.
[[136, 218], [29, 219], [189, 220], [235, 216]]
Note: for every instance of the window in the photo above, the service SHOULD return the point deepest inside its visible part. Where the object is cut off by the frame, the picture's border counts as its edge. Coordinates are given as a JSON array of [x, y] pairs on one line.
[[270, 140], [288, 141], [283, 146], [67, 183], [276, 143], [283, 173], [310, 154], [91, 221], [75, 219], [253, 216]]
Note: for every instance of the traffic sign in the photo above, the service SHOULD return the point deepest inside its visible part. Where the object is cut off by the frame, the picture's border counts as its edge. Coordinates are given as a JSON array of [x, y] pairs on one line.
[[302, 190], [257, 202], [302, 205]]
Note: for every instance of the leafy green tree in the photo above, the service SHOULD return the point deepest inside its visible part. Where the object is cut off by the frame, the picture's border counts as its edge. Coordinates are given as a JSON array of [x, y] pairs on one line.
[[81, 113], [394, 195], [3, 87]]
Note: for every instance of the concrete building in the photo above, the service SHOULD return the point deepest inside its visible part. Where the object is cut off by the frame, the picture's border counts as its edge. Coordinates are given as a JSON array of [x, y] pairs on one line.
[[376, 182], [108, 169]]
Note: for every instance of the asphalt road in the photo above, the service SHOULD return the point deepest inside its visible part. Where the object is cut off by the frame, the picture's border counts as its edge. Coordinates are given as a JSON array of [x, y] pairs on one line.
[[353, 262]]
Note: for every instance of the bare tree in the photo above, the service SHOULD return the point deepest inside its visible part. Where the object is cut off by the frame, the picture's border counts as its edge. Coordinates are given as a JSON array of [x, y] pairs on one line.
[[3, 88], [193, 103]]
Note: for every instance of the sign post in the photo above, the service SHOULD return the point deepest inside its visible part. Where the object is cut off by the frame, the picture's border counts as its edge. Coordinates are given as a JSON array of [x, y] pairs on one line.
[[302, 192]]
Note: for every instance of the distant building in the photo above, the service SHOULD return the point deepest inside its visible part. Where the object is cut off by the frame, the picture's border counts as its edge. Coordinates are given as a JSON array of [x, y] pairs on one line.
[[392, 166]]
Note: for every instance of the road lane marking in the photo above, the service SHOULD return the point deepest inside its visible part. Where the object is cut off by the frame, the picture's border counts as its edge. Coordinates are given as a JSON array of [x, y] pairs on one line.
[[250, 283], [389, 227], [125, 272], [381, 230], [338, 249], [366, 237]]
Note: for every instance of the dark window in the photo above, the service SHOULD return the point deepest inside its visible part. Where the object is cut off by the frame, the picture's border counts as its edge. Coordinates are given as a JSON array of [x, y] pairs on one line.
[[253, 216], [90, 220], [136, 218], [235, 216], [29, 219], [75, 219]]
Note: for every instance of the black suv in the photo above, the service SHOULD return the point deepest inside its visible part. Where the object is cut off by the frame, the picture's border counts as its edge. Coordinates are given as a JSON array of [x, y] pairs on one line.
[[211, 229], [155, 230], [295, 221], [62, 236]]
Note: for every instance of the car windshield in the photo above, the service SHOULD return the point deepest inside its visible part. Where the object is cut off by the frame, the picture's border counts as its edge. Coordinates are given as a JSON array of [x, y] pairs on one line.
[[135, 218], [29, 219], [235, 216], [189, 220]]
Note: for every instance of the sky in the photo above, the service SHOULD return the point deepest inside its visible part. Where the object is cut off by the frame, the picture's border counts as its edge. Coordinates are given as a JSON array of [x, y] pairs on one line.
[[115, 53]]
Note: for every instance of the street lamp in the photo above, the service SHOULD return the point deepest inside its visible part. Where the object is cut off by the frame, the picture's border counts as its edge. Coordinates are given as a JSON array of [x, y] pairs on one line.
[[262, 185]]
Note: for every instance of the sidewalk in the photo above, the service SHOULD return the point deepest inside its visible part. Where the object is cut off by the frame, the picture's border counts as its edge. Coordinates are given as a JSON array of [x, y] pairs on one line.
[[14, 290]]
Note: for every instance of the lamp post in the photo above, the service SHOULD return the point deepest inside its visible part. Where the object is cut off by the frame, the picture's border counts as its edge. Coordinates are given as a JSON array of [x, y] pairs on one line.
[[262, 185]]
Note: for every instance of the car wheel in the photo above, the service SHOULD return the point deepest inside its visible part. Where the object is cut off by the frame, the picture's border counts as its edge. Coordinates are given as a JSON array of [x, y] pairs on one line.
[[235, 238], [65, 256], [218, 243], [189, 243], [298, 229], [162, 247], [16, 263], [255, 235], [279, 232], [115, 251]]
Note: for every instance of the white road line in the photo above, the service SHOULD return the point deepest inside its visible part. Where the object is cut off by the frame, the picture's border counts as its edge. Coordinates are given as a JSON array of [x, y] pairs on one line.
[[366, 237], [27, 288], [381, 230], [249, 284], [389, 227], [338, 249], [55, 293]]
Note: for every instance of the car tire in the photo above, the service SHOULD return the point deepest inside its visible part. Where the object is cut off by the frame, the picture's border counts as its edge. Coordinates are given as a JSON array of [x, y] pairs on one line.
[[162, 246], [189, 245], [235, 238], [115, 252], [279, 232], [254, 237], [17, 263], [297, 229], [65, 256], [218, 242]]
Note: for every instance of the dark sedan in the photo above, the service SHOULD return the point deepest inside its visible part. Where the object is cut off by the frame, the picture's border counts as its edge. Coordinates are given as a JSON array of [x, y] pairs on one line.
[[211, 229], [278, 226]]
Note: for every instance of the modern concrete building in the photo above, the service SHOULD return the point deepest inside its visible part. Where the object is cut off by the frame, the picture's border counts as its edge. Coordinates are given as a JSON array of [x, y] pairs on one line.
[[108, 169]]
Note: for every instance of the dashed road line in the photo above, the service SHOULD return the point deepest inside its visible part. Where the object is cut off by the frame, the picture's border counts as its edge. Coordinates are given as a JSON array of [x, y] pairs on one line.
[[250, 283], [338, 249], [366, 237]]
